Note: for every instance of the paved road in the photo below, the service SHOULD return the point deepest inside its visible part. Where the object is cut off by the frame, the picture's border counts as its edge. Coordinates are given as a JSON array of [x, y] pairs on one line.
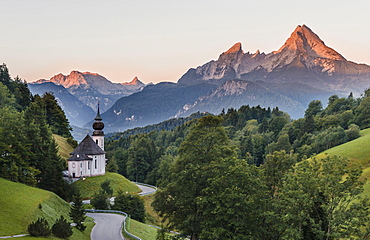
[[145, 190], [108, 226]]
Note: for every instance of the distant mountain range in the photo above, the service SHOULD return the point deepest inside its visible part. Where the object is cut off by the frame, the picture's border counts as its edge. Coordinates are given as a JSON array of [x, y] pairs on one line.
[[79, 93], [302, 70]]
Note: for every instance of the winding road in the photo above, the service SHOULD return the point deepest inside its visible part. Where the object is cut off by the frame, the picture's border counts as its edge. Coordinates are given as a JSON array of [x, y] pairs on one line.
[[109, 226]]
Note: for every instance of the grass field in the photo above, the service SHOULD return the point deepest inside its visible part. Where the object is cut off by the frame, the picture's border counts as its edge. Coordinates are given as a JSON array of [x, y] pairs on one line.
[[358, 151], [91, 185], [64, 149], [22, 204]]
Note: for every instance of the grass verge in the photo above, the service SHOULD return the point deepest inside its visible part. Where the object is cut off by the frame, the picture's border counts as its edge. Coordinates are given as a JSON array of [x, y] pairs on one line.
[[141, 230]]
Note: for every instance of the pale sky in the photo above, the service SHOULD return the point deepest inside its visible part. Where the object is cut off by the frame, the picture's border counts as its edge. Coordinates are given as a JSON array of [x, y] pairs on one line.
[[159, 40]]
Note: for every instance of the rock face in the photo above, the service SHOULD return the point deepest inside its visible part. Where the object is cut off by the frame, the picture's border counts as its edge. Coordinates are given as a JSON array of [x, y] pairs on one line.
[[90, 88], [304, 58], [135, 82]]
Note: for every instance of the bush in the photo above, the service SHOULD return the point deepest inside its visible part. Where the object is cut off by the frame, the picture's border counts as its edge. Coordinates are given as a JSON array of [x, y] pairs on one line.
[[61, 228], [40, 228], [353, 132], [131, 204]]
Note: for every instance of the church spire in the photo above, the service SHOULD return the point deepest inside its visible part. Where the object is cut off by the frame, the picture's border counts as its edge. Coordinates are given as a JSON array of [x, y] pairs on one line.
[[98, 117], [98, 125]]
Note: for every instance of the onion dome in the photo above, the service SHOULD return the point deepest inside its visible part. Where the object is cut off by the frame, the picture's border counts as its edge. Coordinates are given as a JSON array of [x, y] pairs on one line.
[[98, 125]]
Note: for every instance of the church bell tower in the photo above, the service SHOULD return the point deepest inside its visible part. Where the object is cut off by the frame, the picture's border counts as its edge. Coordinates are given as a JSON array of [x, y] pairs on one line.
[[98, 134]]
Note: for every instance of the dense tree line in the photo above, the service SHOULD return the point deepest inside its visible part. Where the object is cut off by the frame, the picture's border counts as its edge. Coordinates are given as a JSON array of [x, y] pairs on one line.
[[214, 195], [28, 152], [244, 174], [165, 125], [255, 132]]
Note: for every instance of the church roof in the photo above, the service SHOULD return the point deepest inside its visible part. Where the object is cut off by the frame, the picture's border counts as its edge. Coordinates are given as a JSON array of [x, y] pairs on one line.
[[79, 157], [88, 146]]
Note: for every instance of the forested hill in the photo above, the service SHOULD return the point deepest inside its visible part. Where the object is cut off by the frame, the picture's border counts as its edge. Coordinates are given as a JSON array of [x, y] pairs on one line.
[[162, 126], [29, 154], [254, 131], [246, 173]]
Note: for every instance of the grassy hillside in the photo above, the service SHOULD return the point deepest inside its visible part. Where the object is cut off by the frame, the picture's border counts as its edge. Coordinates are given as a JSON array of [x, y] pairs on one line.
[[357, 151], [92, 184], [22, 204], [64, 149]]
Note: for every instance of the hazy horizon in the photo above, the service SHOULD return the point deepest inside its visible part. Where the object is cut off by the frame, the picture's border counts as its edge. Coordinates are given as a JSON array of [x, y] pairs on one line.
[[159, 41]]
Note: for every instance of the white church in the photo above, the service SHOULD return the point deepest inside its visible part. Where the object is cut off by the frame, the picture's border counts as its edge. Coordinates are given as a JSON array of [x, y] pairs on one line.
[[88, 158]]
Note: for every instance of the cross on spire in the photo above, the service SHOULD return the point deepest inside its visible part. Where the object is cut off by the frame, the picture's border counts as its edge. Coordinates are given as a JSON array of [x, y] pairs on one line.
[[98, 117]]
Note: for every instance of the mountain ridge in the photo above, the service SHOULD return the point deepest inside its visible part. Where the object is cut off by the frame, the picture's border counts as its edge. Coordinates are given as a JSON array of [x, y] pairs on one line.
[[90, 88], [303, 51], [303, 69]]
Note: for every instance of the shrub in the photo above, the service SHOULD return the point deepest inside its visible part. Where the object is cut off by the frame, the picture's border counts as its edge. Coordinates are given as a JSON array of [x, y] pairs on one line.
[[40, 228], [61, 228]]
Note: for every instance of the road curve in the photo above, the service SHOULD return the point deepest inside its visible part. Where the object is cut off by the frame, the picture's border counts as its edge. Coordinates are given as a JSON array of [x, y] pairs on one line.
[[145, 190], [108, 226]]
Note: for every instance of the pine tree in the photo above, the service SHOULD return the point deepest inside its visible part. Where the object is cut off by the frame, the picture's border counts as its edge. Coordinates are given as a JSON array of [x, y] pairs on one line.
[[54, 114], [77, 212], [39, 228]]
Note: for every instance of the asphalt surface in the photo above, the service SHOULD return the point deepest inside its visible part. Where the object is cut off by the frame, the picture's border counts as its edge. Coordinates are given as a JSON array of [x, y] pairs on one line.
[[145, 190], [108, 226]]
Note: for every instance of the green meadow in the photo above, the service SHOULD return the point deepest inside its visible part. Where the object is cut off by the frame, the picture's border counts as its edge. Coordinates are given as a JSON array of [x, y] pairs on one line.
[[91, 185], [22, 205]]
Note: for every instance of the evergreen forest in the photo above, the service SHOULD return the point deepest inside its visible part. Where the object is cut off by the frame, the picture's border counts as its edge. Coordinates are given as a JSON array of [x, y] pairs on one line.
[[28, 152]]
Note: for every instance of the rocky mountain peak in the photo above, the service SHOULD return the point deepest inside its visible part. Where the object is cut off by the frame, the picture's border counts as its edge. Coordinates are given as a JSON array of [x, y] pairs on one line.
[[134, 82], [256, 54], [74, 78], [237, 47], [304, 41]]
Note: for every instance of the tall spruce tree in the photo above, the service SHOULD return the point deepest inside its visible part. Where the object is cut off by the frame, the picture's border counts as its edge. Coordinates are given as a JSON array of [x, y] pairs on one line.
[[77, 212]]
